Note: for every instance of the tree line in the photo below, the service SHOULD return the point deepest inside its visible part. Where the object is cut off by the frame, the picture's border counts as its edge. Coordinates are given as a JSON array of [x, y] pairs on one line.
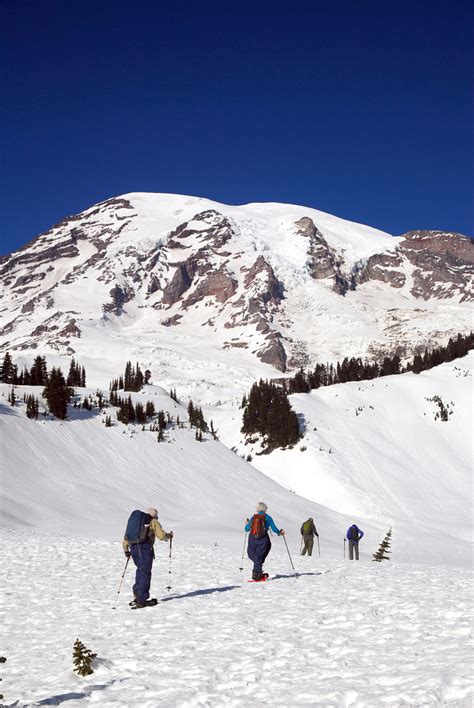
[[38, 374], [357, 369], [132, 379], [267, 409]]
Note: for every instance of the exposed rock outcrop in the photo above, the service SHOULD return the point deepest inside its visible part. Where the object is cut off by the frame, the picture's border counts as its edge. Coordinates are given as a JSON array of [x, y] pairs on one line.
[[323, 262], [383, 267], [119, 297]]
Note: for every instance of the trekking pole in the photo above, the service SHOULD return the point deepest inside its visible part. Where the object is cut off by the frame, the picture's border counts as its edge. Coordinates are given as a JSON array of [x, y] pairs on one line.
[[168, 587], [243, 552], [121, 581], [344, 548], [319, 549], [294, 571]]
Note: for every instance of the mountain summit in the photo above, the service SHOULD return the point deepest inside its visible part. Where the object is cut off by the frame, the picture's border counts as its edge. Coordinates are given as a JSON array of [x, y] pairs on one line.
[[184, 281]]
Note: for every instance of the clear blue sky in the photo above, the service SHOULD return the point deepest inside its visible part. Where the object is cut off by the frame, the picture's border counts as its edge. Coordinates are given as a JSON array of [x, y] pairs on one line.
[[361, 109]]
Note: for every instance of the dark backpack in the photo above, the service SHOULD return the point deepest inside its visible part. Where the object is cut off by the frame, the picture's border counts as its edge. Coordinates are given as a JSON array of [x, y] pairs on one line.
[[354, 533], [257, 526], [138, 527], [307, 528]]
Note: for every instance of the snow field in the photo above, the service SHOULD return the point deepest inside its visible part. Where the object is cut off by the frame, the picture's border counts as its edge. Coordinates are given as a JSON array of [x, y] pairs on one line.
[[392, 464], [362, 634]]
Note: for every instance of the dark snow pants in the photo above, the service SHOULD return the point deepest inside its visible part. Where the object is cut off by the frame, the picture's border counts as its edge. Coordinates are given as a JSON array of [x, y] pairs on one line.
[[308, 544], [142, 555], [257, 550], [354, 548]]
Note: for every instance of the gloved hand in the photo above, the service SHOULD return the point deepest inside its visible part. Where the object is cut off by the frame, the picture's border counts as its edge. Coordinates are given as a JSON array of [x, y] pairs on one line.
[[169, 536], [282, 533], [127, 554]]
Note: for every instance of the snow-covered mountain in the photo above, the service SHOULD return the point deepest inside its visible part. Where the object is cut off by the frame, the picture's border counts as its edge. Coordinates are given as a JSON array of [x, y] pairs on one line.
[[197, 290], [209, 298]]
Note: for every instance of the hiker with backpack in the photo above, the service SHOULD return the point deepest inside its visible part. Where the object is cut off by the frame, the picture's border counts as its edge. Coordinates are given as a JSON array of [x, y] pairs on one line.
[[259, 543], [353, 535], [142, 529], [308, 531]]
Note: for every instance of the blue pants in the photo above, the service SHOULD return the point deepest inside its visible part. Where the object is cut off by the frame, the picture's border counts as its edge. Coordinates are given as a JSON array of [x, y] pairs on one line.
[[257, 550], [142, 555]]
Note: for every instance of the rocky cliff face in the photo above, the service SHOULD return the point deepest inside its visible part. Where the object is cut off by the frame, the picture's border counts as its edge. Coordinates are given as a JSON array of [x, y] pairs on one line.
[[277, 284], [440, 266]]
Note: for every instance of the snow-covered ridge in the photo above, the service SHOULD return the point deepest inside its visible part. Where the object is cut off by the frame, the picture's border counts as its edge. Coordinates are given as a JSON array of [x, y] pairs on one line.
[[185, 284]]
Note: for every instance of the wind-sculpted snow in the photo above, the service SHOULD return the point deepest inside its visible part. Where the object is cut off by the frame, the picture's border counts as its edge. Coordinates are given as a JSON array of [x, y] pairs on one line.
[[340, 635]]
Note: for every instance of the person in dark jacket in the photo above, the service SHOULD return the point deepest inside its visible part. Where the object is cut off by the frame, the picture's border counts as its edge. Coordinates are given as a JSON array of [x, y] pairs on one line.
[[353, 535], [308, 531], [259, 541], [142, 555]]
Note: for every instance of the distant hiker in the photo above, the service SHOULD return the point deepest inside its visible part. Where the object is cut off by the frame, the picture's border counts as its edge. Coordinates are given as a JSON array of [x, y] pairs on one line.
[[353, 535], [142, 529], [259, 541], [308, 531]]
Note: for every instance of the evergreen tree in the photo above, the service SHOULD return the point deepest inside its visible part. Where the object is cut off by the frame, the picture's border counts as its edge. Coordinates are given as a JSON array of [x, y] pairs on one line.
[[268, 413], [57, 394], [76, 375], [382, 552], [161, 420], [140, 416], [32, 407], [82, 659], [8, 372], [39, 372]]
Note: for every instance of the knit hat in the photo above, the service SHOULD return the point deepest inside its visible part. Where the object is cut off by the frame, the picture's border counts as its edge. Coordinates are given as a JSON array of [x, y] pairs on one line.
[[261, 506], [153, 512]]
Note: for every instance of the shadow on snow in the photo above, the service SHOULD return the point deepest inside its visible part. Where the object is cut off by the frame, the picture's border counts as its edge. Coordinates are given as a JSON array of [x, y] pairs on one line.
[[227, 588]]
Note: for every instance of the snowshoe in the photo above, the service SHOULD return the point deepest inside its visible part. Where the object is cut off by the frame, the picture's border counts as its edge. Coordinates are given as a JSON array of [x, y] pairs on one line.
[[137, 605]]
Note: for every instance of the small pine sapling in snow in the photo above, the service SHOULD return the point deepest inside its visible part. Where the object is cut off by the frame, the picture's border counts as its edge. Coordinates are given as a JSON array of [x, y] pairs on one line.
[[82, 659], [380, 555]]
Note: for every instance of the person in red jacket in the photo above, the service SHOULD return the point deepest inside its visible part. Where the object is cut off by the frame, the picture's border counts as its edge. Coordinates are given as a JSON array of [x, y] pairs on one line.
[[259, 541]]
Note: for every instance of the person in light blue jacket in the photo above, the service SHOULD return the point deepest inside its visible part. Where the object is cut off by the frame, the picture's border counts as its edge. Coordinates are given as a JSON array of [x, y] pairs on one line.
[[259, 543], [353, 535]]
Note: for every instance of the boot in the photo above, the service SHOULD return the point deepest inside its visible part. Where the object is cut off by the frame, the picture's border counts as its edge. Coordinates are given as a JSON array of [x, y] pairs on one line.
[[256, 575]]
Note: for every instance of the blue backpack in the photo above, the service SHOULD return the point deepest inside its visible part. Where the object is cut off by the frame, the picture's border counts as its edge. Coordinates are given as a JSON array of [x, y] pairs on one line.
[[138, 527]]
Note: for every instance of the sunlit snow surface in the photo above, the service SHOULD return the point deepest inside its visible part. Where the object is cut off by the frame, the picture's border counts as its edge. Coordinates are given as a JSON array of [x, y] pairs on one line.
[[341, 634]]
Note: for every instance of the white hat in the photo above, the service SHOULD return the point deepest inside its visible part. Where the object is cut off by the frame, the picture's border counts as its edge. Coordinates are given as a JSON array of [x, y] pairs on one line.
[[153, 512], [261, 506]]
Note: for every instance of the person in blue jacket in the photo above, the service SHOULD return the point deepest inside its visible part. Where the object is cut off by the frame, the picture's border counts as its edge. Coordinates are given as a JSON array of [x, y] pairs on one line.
[[353, 535], [259, 541]]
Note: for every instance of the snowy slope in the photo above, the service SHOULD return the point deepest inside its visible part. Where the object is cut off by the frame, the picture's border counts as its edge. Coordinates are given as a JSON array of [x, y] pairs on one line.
[[391, 462], [338, 636], [52, 471], [390, 465]]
